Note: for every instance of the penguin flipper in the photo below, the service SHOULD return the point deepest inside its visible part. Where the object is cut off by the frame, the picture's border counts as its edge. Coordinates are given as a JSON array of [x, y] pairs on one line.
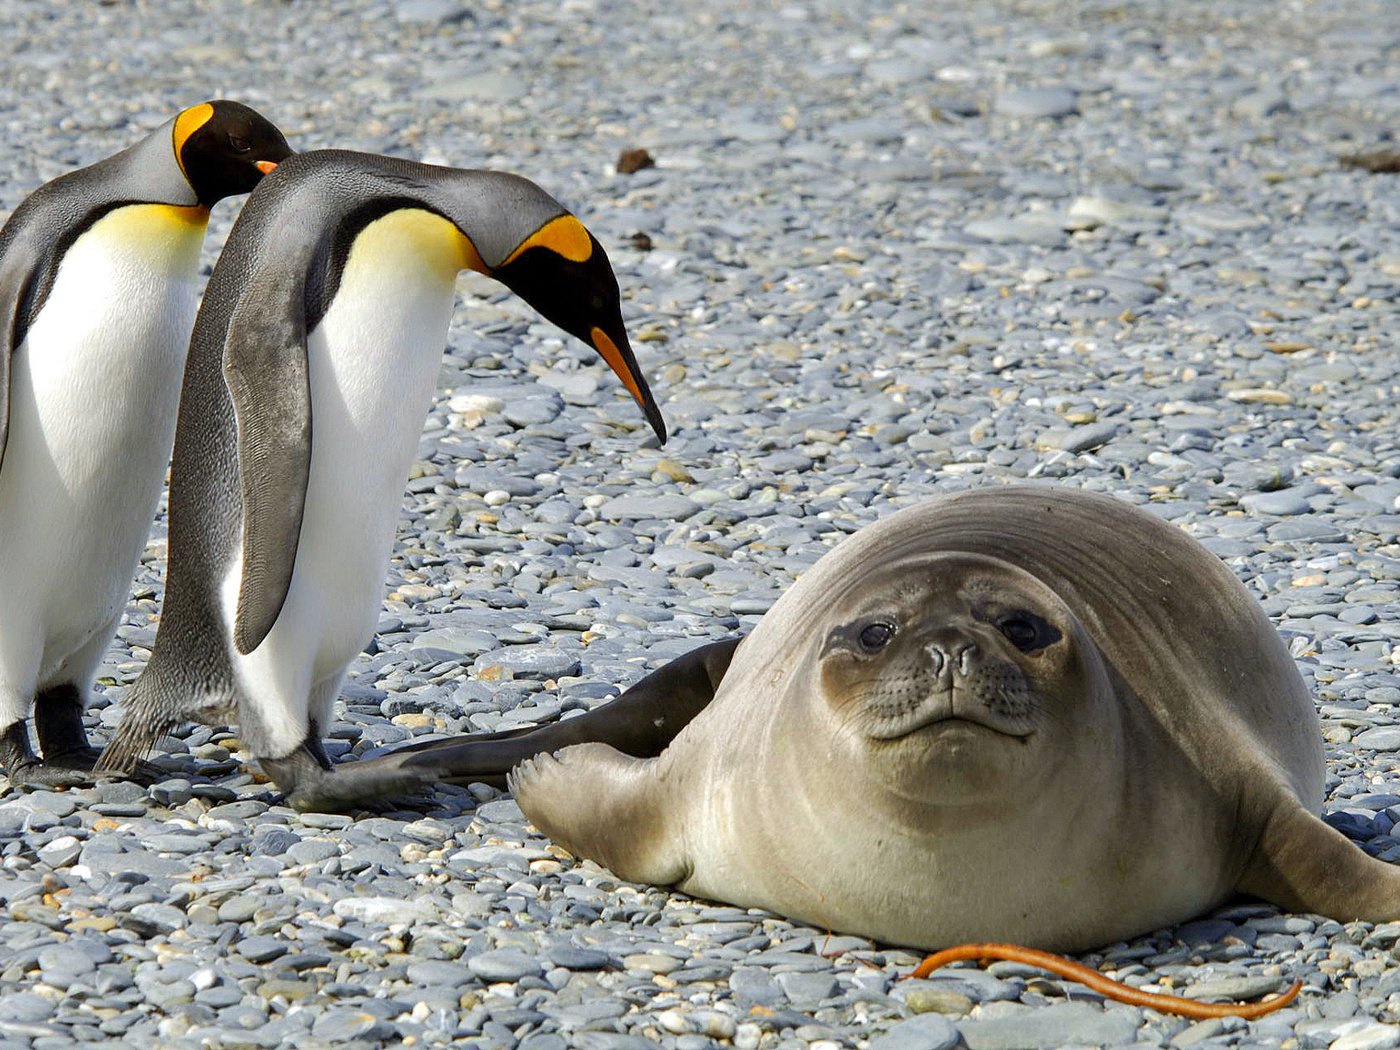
[[16, 277], [265, 366], [9, 307]]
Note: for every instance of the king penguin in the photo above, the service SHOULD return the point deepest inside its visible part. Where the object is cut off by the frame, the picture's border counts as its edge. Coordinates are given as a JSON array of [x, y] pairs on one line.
[[98, 274], [312, 366]]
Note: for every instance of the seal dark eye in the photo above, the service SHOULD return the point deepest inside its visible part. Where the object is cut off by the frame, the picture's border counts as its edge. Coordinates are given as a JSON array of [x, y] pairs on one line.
[[875, 636], [1027, 631], [239, 145]]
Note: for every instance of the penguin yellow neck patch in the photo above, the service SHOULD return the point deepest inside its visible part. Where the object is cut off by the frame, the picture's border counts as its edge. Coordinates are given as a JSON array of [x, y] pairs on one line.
[[165, 237], [186, 124], [564, 236], [415, 236]]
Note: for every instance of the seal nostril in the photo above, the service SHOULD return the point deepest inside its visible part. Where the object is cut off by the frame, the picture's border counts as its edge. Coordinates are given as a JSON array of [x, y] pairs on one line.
[[950, 658], [965, 655]]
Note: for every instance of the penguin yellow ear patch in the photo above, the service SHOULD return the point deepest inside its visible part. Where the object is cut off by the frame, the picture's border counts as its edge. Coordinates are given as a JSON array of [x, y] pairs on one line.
[[564, 236], [186, 124]]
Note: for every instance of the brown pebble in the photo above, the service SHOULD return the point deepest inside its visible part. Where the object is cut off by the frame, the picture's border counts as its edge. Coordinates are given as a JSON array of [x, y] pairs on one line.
[[1381, 161], [632, 160], [641, 241]]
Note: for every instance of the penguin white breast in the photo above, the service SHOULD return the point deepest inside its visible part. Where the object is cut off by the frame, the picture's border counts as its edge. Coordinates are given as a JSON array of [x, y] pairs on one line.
[[374, 361], [94, 389]]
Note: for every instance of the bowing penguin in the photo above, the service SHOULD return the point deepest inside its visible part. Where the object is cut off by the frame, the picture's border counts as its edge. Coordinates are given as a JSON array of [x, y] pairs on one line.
[[312, 367]]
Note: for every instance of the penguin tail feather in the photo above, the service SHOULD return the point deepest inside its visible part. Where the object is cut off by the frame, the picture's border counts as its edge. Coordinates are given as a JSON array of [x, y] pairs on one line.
[[136, 735]]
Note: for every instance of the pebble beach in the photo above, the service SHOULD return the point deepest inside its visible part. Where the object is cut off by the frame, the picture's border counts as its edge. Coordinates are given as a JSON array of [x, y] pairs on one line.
[[874, 253]]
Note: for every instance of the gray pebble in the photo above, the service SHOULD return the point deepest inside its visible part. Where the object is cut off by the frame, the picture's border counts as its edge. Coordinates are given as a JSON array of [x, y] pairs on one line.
[[530, 661], [643, 508], [504, 964], [261, 949], [1281, 502], [1061, 1024], [925, 1032], [1382, 738], [1033, 103], [1083, 439]]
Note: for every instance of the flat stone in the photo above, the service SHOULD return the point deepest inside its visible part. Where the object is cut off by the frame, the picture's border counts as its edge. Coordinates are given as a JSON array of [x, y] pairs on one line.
[[1058, 1025], [26, 1007], [571, 958], [937, 1001], [430, 12], [530, 661], [1027, 229], [1035, 103], [274, 842], [808, 987], [456, 641], [342, 1025], [436, 972], [1233, 989], [1281, 502], [66, 959], [1370, 1037], [644, 508], [1382, 738], [926, 1032], [504, 964], [755, 987], [1085, 438], [1092, 212], [384, 911], [261, 949]]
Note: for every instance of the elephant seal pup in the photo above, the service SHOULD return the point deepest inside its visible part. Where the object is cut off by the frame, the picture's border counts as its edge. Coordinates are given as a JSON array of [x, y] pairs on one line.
[[1023, 713]]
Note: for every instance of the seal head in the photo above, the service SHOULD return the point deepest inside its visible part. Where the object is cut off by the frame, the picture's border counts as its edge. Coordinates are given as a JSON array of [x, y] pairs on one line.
[[953, 676]]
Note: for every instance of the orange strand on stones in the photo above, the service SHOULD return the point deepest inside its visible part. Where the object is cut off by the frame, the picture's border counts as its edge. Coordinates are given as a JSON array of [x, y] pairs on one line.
[[1111, 989]]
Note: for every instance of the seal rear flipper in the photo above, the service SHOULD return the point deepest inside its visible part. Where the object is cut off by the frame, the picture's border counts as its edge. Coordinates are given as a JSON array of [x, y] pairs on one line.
[[265, 365], [599, 803], [640, 722], [1302, 864]]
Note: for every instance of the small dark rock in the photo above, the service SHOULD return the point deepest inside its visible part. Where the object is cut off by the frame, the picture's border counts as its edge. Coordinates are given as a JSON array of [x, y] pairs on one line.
[[1377, 162], [634, 160]]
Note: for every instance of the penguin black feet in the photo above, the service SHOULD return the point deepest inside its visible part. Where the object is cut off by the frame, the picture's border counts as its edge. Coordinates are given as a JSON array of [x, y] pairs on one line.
[[58, 722], [26, 770], [68, 759]]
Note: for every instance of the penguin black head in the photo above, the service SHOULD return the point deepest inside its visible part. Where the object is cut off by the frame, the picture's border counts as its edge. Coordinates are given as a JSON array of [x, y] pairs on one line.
[[224, 148], [562, 271]]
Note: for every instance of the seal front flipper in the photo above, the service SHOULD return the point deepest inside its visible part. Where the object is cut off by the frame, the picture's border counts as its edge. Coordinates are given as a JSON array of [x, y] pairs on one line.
[[598, 803], [640, 722], [265, 365], [1303, 864]]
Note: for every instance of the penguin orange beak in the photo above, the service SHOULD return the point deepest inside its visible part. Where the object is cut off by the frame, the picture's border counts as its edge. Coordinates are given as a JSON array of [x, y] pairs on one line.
[[624, 366], [265, 166]]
